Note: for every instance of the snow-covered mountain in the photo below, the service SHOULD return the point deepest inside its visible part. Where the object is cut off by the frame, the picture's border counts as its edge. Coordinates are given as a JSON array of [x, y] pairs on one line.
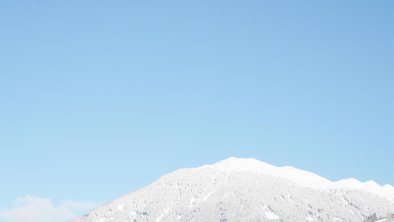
[[240, 189]]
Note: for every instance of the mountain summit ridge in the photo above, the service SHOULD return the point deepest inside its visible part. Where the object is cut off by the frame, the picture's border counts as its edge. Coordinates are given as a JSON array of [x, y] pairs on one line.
[[303, 177], [245, 189]]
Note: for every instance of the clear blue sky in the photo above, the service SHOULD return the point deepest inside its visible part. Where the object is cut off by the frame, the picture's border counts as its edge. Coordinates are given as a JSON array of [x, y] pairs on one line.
[[98, 98]]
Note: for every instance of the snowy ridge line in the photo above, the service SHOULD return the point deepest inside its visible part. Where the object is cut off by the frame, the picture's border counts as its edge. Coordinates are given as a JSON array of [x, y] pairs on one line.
[[301, 177], [248, 190]]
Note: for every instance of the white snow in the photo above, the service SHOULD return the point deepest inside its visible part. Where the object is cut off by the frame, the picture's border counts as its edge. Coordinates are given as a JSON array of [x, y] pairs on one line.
[[120, 207], [309, 218], [236, 188], [271, 216], [385, 191], [160, 217], [301, 177], [205, 198]]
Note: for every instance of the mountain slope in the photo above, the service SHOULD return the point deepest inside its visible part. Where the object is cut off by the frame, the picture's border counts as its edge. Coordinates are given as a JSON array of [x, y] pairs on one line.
[[248, 190]]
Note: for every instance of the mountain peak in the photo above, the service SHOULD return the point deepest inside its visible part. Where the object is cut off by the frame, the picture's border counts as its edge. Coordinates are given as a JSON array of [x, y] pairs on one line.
[[300, 177], [297, 176], [261, 192], [243, 164]]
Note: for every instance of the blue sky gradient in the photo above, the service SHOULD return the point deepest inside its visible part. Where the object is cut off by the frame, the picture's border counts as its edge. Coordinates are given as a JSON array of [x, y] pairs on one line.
[[98, 98]]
